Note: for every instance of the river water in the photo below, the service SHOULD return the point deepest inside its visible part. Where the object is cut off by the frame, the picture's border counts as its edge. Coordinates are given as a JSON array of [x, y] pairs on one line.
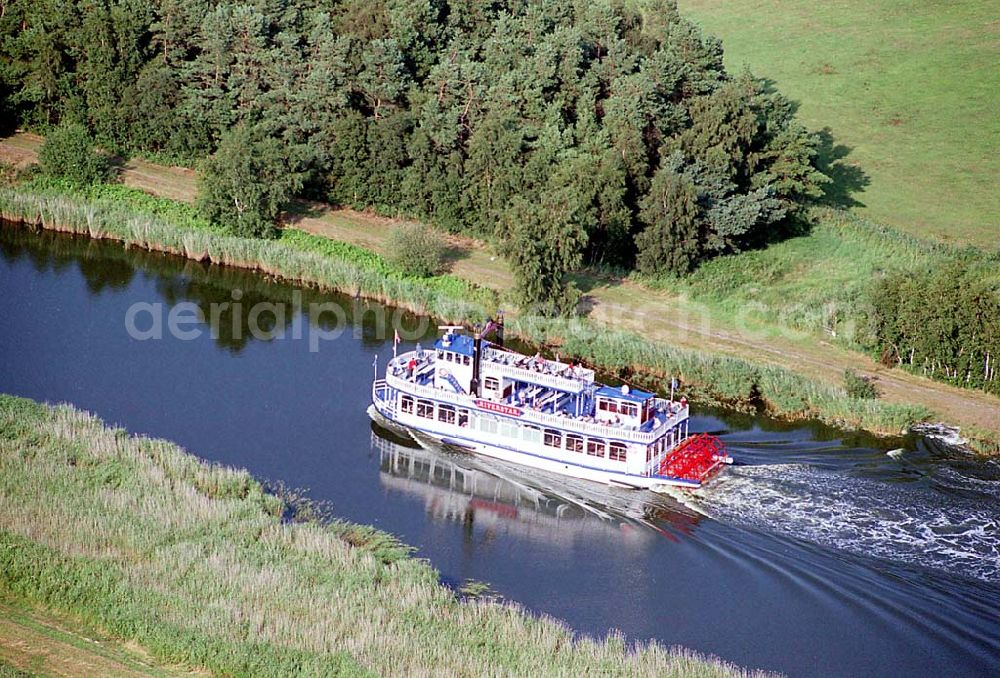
[[821, 553]]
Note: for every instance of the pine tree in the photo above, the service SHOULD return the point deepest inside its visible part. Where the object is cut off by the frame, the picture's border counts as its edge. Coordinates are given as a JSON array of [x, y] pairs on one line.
[[670, 243]]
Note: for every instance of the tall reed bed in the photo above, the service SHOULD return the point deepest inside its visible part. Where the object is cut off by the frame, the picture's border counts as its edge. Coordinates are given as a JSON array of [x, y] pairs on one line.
[[193, 562], [296, 256]]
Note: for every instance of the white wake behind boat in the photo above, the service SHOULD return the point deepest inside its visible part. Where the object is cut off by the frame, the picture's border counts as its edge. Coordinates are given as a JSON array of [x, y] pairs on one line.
[[476, 395]]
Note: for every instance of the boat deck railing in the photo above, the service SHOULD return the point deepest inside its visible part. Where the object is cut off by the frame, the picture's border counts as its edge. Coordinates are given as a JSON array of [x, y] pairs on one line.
[[550, 373], [566, 423]]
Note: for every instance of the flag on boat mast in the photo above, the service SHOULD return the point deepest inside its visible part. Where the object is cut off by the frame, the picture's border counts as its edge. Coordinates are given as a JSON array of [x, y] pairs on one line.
[[395, 341]]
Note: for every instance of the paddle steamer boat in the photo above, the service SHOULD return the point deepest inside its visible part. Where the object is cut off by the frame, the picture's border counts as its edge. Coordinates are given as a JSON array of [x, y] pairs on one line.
[[477, 395]]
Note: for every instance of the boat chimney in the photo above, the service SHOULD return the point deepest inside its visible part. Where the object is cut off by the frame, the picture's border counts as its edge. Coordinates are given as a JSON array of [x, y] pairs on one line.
[[477, 342]]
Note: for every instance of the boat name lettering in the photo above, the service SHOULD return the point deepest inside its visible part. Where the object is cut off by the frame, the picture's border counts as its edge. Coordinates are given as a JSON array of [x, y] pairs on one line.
[[497, 407]]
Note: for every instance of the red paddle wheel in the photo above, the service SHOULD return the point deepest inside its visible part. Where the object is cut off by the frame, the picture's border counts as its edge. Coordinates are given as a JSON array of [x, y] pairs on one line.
[[697, 458]]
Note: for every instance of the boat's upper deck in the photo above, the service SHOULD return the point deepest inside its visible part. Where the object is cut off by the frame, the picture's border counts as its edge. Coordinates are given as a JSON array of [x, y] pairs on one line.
[[415, 372], [537, 370]]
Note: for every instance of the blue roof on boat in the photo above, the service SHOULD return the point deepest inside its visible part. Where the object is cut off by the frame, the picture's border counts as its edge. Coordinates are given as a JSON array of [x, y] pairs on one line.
[[459, 343], [634, 395]]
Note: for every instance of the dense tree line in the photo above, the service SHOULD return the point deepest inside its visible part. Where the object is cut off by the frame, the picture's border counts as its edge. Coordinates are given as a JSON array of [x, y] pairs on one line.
[[943, 323], [575, 130]]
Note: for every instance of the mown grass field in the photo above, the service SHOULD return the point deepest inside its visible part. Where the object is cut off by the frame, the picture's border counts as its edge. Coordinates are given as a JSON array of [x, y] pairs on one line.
[[195, 564], [910, 89]]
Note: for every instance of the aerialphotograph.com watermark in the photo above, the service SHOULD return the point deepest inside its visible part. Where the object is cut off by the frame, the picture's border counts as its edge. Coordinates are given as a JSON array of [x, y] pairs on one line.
[[315, 322]]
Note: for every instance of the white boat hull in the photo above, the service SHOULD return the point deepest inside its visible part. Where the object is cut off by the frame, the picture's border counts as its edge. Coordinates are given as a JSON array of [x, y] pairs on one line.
[[445, 435]]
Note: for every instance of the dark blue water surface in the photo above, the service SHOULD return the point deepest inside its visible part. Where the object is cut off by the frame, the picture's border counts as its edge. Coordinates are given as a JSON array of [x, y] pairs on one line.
[[823, 553]]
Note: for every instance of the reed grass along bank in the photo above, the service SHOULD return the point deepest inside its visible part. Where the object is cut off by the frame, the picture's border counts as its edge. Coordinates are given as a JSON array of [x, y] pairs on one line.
[[194, 562], [318, 261]]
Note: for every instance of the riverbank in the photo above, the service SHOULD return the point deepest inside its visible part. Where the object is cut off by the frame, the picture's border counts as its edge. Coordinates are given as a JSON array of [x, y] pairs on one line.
[[710, 378], [194, 563]]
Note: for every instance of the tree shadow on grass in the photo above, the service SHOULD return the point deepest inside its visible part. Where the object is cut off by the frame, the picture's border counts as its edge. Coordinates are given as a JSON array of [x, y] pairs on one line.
[[846, 178], [297, 210], [453, 253]]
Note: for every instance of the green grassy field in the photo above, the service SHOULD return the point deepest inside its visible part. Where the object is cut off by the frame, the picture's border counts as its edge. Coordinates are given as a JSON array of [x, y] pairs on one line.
[[818, 283], [908, 90], [195, 564]]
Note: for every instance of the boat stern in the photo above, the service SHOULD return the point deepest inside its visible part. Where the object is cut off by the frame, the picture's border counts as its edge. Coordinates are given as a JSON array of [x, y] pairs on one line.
[[694, 462]]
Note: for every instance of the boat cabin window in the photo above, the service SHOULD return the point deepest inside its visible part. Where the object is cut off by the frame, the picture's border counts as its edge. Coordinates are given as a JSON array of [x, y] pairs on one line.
[[491, 384], [466, 360], [617, 451], [425, 408], [532, 434], [617, 407], [595, 447], [487, 424], [508, 429], [446, 413], [574, 443], [552, 438], [463, 417], [406, 404]]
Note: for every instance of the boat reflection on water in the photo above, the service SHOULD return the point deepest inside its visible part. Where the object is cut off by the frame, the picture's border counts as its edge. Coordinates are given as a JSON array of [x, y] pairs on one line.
[[501, 498]]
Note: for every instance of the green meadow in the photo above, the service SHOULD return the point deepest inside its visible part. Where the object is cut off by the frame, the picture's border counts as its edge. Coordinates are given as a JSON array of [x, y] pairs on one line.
[[908, 92], [819, 282]]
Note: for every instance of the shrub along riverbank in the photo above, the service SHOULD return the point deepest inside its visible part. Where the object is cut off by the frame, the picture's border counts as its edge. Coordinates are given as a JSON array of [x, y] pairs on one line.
[[135, 219], [194, 562]]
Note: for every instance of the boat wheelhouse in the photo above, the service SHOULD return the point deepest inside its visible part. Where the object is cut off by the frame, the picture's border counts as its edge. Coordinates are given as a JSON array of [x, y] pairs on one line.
[[477, 395]]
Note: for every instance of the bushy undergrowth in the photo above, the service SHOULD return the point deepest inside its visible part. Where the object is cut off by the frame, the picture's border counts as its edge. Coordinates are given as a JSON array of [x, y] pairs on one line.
[[832, 282], [69, 152], [857, 386], [942, 323], [816, 282], [417, 249], [193, 562]]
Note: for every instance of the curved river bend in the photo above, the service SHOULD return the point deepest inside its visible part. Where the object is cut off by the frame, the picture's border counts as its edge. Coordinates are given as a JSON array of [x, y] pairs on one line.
[[822, 553]]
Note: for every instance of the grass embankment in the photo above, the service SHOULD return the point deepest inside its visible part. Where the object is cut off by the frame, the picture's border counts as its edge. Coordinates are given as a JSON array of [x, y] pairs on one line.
[[819, 282], [141, 220], [907, 89], [194, 563]]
